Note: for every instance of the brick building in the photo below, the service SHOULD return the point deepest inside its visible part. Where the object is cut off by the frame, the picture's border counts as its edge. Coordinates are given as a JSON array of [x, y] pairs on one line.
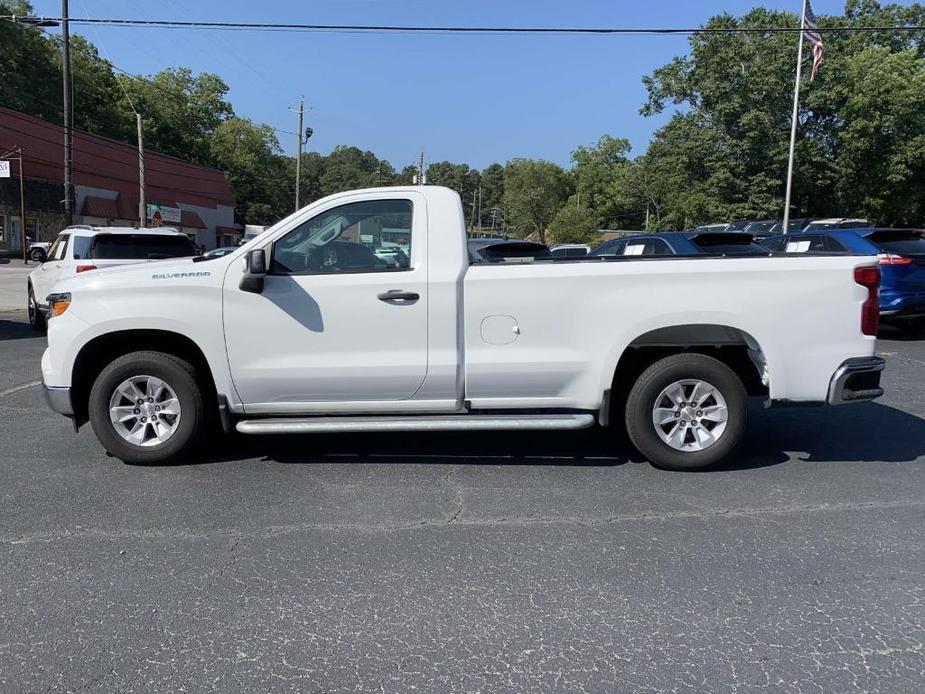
[[105, 181]]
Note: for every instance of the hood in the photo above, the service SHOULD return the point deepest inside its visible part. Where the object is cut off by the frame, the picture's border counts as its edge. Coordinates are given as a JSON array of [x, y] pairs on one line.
[[151, 274]]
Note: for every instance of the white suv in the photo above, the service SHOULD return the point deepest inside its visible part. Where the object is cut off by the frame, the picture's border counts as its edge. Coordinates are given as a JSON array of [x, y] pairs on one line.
[[84, 248]]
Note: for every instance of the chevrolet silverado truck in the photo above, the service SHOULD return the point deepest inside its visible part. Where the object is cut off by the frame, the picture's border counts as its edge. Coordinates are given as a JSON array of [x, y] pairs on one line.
[[365, 312]]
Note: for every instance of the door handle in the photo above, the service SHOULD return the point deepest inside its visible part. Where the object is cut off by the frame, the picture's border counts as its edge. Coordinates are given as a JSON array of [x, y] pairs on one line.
[[398, 295]]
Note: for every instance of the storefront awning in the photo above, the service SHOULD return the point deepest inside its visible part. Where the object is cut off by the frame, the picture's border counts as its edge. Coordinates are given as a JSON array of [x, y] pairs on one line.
[[107, 208]]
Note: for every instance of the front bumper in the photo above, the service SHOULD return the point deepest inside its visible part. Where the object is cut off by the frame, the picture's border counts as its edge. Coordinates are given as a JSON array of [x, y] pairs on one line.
[[856, 380], [59, 399]]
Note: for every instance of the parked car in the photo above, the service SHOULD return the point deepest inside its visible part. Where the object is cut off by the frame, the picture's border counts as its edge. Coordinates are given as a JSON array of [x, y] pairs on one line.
[[719, 226], [505, 250], [681, 243], [837, 223], [271, 340], [81, 249], [570, 250], [737, 225], [901, 253], [37, 250]]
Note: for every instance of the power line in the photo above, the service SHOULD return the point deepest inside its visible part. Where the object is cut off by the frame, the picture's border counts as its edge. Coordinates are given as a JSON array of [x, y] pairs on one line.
[[418, 29]]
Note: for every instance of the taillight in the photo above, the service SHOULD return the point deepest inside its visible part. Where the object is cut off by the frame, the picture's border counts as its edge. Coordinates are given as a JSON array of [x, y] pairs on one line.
[[870, 311], [893, 259], [84, 268]]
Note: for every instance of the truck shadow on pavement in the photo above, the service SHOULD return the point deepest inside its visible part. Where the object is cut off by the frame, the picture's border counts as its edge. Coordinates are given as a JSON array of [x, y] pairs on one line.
[[860, 433], [17, 329]]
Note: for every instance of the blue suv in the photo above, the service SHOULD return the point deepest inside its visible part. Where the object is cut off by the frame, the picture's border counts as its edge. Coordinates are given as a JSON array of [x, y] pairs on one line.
[[902, 262]]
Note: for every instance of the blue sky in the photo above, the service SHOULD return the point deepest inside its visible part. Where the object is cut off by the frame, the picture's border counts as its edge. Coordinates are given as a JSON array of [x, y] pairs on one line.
[[473, 98]]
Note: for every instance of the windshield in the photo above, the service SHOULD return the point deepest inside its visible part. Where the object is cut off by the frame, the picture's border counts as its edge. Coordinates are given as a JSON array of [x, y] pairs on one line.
[[140, 247]]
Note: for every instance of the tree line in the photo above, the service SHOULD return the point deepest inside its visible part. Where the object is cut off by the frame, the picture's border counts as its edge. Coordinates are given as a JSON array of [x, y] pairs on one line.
[[721, 156]]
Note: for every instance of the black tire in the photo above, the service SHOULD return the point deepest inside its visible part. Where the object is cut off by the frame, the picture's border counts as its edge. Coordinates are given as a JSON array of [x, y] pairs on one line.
[[37, 255], [36, 317], [663, 373], [181, 378]]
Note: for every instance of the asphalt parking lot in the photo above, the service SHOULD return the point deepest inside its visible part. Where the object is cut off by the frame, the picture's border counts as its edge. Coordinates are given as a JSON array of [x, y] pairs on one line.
[[477, 563]]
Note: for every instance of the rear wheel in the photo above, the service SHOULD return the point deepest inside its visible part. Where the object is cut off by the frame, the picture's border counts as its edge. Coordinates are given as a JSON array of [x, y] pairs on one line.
[[147, 407], [686, 412], [36, 317]]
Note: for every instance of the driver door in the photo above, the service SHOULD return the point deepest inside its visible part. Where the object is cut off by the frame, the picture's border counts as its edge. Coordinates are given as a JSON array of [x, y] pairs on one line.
[[343, 313]]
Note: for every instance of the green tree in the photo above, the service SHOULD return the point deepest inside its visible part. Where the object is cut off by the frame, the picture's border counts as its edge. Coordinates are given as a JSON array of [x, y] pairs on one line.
[[574, 224], [460, 178], [599, 171], [534, 190], [181, 111], [30, 76], [492, 187], [248, 155], [98, 101], [348, 168], [725, 151]]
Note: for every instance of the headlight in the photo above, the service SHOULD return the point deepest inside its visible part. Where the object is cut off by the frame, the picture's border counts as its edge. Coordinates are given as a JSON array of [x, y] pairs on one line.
[[58, 303]]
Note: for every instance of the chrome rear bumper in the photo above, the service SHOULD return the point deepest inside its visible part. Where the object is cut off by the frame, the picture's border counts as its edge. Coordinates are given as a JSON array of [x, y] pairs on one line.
[[856, 380]]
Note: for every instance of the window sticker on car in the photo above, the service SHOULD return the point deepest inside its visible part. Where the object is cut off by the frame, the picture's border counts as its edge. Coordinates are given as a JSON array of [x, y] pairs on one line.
[[634, 250], [797, 246]]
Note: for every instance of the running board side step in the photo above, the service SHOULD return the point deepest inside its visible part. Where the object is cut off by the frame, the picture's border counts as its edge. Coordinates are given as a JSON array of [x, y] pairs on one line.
[[327, 425]]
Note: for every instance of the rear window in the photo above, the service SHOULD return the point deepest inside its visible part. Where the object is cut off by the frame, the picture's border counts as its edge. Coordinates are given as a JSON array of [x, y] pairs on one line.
[[899, 242], [727, 243], [140, 247]]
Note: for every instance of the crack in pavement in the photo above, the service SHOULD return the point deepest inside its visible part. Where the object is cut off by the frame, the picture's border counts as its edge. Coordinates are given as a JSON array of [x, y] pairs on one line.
[[591, 523], [17, 388]]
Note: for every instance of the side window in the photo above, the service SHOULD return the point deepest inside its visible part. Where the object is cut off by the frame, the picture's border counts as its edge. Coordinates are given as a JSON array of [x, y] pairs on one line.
[[656, 247], [80, 249], [368, 236], [611, 248], [634, 248], [56, 252], [773, 244], [833, 245]]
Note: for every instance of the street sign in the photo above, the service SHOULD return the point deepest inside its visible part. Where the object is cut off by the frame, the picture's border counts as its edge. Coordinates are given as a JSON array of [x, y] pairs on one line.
[[160, 213], [4, 169]]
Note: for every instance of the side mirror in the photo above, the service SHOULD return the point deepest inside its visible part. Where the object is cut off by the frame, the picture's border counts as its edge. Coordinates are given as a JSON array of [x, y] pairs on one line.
[[255, 269]]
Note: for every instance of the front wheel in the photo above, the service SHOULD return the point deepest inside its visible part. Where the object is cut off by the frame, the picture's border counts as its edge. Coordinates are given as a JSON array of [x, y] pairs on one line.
[[147, 407], [686, 412], [36, 317]]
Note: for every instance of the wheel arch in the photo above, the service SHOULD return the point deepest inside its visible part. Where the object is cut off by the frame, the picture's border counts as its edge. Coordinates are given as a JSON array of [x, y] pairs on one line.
[[734, 347], [101, 350]]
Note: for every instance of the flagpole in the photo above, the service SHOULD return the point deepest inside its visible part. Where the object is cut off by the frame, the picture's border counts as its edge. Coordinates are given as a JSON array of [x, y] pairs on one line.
[[793, 124]]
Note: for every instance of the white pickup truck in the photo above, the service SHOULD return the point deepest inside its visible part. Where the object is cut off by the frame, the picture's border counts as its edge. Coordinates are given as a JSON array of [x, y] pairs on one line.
[[363, 312]]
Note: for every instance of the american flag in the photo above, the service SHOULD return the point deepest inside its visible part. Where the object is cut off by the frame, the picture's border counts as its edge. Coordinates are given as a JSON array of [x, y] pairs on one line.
[[814, 36]]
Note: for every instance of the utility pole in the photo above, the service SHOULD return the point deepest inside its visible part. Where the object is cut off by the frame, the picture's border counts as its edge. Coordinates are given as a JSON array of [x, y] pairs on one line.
[[68, 113], [793, 123], [422, 180], [480, 210], [22, 210], [142, 206], [298, 159]]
